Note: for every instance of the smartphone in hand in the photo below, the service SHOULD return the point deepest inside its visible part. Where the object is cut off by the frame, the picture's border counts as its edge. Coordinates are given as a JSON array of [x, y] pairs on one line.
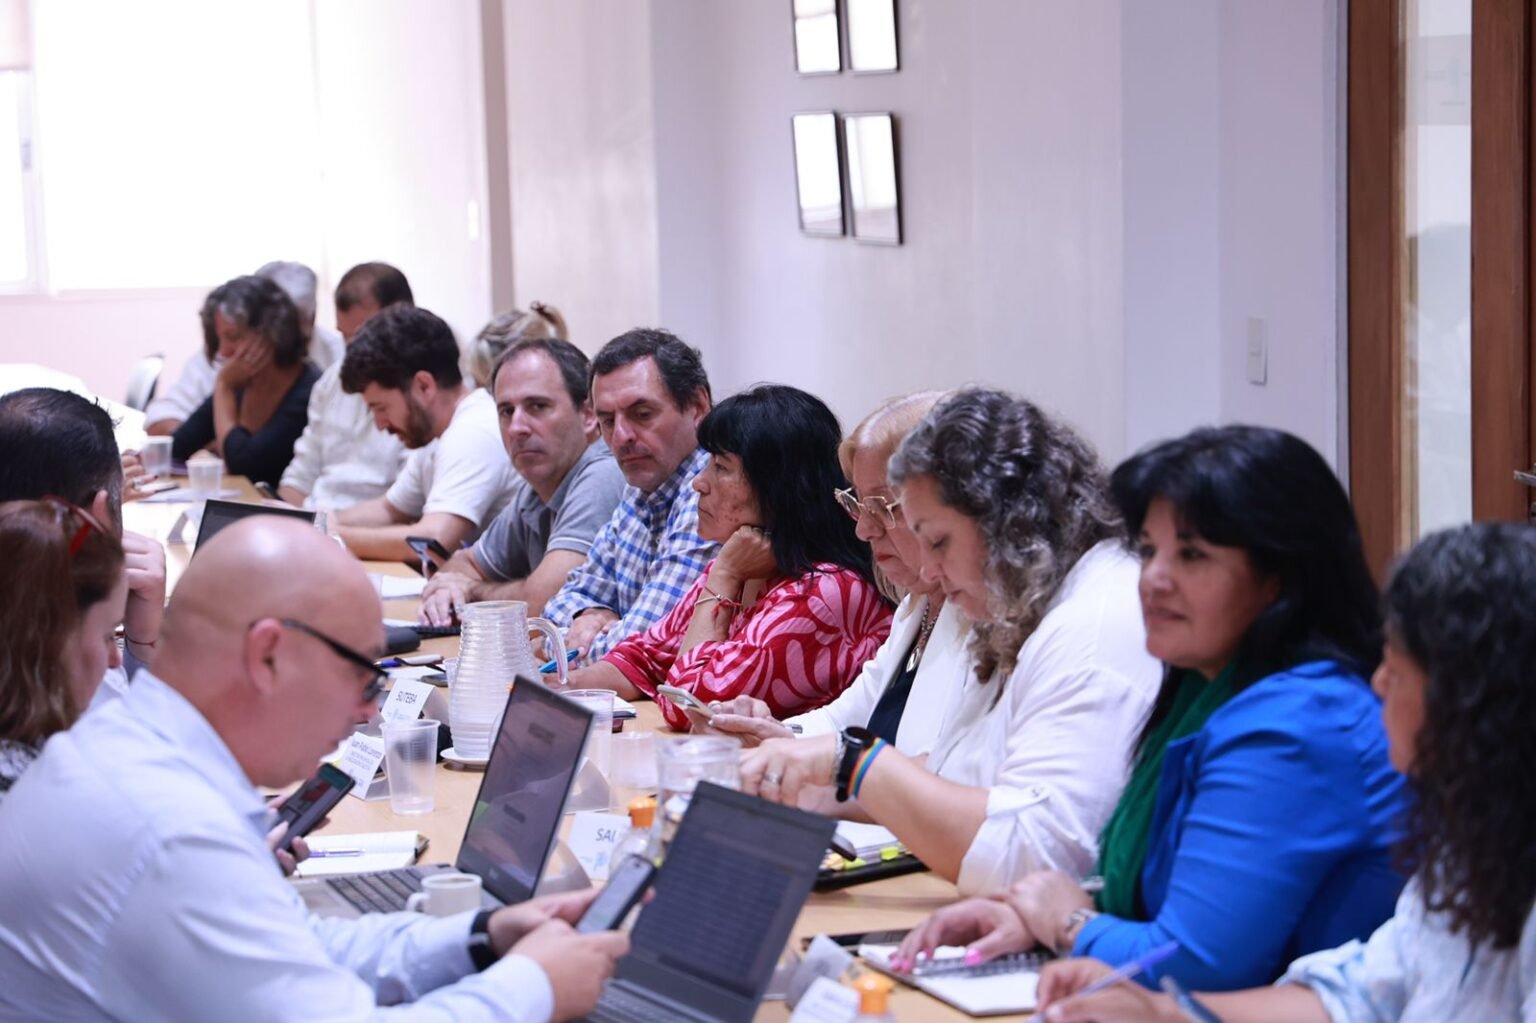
[[626, 886], [683, 700], [310, 803]]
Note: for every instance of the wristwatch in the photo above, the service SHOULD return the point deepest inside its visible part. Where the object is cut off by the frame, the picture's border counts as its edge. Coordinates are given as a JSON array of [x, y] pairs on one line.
[[480, 951], [1073, 925], [851, 744]]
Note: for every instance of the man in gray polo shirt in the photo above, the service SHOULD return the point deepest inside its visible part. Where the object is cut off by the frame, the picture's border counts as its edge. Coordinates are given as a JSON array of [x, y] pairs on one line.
[[568, 488]]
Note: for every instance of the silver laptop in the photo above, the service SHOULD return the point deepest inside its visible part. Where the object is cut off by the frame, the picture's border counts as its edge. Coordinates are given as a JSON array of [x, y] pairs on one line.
[[734, 880], [515, 821]]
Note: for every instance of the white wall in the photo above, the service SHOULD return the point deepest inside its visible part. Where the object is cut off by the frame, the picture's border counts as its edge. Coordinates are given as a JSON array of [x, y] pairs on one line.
[[583, 167], [402, 161]]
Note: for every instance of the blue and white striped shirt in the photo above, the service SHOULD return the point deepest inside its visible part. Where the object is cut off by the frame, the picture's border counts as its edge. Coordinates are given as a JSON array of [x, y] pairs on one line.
[[642, 562]]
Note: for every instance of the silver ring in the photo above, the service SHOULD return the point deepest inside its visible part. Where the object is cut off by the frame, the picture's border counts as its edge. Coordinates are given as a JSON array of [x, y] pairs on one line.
[[772, 778]]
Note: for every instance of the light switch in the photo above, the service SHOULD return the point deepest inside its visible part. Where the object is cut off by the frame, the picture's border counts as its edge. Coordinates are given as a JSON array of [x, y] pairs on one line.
[[1258, 351]]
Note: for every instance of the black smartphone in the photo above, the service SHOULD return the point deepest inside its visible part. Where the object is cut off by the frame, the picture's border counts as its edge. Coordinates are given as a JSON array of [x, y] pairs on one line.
[[857, 938], [424, 545], [626, 886], [312, 801]]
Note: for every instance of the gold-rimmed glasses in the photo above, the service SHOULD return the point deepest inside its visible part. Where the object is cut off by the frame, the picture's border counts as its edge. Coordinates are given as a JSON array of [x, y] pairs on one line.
[[881, 509]]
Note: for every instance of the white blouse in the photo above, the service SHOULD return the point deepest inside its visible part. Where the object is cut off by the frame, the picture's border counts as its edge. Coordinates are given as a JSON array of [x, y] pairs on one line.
[[1414, 970], [1054, 747], [943, 660]]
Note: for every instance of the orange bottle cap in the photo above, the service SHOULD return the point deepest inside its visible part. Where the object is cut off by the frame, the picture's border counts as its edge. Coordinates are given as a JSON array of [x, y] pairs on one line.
[[642, 811]]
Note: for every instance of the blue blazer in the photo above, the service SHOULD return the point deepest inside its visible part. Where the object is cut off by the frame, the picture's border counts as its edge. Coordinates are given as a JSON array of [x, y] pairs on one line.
[[1271, 836]]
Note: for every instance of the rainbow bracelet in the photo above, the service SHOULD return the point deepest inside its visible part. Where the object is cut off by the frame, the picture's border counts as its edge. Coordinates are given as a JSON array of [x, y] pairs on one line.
[[862, 767]]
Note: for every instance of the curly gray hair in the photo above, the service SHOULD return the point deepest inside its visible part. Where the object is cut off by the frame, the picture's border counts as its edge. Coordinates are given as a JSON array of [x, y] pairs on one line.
[[1034, 488]]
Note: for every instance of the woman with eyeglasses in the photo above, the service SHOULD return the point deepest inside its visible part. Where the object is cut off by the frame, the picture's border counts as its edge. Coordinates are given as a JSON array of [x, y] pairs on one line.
[[67, 587], [900, 692], [1011, 511], [789, 609], [1458, 707]]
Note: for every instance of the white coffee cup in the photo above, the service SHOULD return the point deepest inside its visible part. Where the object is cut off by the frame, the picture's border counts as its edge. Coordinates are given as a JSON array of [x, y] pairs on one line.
[[446, 894]]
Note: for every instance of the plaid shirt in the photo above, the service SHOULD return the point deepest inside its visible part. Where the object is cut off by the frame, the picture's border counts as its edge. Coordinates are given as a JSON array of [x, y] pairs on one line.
[[641, 562]]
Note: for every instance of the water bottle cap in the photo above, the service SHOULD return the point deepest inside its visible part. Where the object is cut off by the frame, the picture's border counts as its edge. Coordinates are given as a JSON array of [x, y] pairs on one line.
[[642, 811], [873, 991]]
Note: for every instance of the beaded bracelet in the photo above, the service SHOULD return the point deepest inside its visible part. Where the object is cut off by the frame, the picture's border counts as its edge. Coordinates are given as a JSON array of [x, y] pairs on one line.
[[862, 768]]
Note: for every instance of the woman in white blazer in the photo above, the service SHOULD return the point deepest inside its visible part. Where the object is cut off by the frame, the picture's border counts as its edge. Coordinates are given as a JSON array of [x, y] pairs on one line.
[[1011, 515]]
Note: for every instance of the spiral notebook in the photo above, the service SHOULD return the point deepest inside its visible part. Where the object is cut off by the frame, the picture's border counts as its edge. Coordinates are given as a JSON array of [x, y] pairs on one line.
[[1002, 986]]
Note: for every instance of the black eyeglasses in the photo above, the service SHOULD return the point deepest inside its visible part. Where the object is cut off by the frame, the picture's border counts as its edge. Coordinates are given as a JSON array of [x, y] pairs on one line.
[[376, 677], [881, 509]]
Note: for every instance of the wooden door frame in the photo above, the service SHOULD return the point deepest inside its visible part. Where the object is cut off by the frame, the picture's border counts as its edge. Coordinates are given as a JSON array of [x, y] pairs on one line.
[[1503, 267]]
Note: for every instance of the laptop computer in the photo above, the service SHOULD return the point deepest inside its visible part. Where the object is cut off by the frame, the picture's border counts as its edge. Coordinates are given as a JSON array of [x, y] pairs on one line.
[[219, 515], [733, 882], [515, 820]]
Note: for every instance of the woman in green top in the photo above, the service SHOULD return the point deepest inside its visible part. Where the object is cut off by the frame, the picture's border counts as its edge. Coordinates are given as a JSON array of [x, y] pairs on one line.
[[1261, 809]]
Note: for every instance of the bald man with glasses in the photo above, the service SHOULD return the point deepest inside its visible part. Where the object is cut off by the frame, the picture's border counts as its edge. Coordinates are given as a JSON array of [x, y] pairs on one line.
[[135, 879]]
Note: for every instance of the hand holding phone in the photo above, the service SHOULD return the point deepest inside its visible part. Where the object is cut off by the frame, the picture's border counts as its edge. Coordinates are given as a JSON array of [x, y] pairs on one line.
[[626, 886], [425, 546], [309, 804], [683, 700]]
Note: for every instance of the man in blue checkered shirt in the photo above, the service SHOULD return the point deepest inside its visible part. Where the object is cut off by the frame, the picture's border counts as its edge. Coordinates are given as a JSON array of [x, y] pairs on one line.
[[650, 392]]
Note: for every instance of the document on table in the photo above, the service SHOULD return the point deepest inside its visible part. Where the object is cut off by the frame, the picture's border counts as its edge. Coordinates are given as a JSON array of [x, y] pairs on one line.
[[401, 587], [1003, 986]]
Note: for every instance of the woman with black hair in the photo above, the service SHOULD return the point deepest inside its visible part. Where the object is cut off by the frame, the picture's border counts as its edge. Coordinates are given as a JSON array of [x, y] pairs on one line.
[[1261, 808], [260, 401], [1459, 708], [789, 610]]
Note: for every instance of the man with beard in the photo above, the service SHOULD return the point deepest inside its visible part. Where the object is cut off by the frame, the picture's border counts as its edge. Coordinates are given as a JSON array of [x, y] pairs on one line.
[[569, 487], [405, 364]]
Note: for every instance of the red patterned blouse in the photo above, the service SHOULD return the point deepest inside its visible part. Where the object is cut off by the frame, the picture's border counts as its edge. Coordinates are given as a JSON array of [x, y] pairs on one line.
[[799, 646]]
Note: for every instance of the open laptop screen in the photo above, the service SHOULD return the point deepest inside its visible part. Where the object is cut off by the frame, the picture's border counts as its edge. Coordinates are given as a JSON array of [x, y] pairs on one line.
[[734, 880], [219, 515], [517, 812]]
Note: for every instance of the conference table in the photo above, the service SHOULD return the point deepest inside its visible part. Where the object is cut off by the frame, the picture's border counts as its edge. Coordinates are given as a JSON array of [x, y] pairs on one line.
[[895, 903]]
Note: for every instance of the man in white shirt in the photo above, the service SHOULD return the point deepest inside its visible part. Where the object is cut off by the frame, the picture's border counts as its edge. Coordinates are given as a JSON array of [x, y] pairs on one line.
[[340, 459], [568, 488], [405, 364], [135, 880]]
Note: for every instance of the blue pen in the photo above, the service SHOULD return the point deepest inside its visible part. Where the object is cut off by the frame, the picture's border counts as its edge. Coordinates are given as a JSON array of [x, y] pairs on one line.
[[549, 665], [1123, 973]]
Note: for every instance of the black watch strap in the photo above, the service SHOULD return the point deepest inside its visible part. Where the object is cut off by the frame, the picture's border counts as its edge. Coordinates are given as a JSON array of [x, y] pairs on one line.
[[480, 951], [855, 742]]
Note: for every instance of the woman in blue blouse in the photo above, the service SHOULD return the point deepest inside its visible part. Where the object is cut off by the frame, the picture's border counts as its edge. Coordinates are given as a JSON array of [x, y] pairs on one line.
[[1262, 806], [1459, 707]]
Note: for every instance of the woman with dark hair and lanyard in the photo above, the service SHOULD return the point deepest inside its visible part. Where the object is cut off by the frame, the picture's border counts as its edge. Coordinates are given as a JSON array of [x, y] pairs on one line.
[[789, 610], [1459, 708], [1258, 820]]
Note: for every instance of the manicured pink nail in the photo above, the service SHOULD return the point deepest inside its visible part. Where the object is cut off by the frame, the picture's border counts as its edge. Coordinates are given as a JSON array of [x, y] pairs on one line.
[[902, 963], [972, 957]]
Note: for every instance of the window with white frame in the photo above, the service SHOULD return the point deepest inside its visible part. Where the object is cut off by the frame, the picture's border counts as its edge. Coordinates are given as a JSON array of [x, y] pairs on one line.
[[176, 140], [17, 198]]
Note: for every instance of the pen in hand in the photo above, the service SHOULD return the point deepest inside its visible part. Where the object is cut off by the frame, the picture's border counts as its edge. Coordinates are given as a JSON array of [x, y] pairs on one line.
[[1120, 974], [320, 854]]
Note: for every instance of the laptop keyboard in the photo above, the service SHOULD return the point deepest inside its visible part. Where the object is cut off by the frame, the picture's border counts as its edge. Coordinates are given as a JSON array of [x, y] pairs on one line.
[[619, 1006], [384, 892]]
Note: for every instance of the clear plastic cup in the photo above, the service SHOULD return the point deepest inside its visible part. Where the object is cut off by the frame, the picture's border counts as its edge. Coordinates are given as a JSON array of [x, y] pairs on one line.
[[599, 739], [155, 456], [410, 754], [205, 476], [634, 766], [684, 762]]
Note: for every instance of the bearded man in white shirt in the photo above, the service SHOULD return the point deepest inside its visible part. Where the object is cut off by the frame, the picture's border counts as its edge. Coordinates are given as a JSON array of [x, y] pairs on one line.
[[135, 879], [405, 364]]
